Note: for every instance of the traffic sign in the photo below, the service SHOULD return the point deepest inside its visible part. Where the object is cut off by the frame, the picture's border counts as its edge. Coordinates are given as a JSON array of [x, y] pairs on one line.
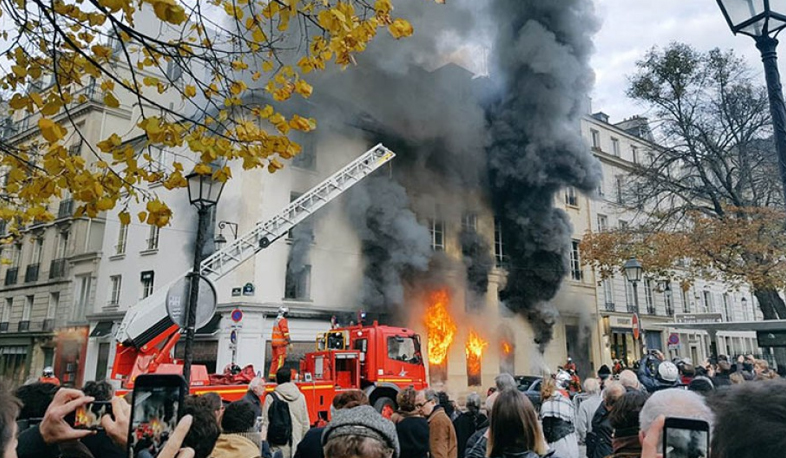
[[636, 327], [233, 336], [237, 315], [674, 339], [177, 299]]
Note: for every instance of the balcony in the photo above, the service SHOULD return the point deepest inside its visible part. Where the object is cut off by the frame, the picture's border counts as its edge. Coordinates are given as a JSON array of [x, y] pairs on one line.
[[31, 273], [49, 324], [11, 275], [57, 269], [610, 307], [4, 326], [66, 208], [632, 308], [24, 325]]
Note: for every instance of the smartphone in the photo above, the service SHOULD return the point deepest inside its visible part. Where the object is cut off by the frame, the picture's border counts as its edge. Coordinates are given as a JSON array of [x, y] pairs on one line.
[[156, 401], [685, 438], [89, 415]]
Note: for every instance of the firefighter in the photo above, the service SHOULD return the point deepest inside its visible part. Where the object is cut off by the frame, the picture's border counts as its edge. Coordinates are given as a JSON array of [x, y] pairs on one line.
[[279, 342], [48, 376]]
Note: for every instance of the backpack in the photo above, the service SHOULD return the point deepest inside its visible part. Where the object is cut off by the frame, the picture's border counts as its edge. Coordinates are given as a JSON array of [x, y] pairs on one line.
[[279, 428]]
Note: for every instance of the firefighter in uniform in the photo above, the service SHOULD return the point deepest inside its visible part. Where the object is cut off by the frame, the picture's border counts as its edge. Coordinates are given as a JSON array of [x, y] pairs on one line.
[[279, 342], [48, 376]]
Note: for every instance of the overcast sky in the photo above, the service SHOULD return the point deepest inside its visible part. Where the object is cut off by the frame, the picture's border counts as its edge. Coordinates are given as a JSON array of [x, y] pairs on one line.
[[631, 27]]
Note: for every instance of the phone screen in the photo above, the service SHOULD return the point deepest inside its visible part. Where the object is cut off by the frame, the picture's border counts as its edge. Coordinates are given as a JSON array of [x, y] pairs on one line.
[[89, 416], [153, 418], [686, 440]]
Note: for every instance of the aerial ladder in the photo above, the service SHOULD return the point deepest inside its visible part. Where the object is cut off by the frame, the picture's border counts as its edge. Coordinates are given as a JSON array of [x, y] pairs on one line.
[[147, 336]]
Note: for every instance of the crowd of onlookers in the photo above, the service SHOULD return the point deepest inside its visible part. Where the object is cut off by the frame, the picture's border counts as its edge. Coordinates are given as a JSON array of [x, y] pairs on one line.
[[619, 414]]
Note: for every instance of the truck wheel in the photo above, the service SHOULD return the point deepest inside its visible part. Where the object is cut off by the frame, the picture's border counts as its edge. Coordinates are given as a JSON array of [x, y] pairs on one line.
[[385, 406]]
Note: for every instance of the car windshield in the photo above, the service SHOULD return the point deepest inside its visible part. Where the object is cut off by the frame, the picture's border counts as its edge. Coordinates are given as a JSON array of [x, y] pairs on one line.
[[402, 349]]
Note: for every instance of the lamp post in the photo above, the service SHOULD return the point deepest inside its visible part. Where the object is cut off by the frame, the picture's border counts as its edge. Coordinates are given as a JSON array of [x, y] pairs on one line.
[[203, 193], [220, 240], [633, 270], [759, 20]]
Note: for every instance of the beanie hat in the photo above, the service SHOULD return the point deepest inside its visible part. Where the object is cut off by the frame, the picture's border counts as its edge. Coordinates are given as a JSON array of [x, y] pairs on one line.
[[604, 372], [362, 421]]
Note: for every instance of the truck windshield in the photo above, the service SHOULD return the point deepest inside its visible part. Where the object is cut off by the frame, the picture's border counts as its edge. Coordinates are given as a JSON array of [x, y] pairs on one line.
[[403, 349]]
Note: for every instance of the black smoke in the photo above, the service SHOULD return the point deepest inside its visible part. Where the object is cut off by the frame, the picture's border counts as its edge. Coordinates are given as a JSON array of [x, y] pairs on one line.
[[478, 262], [535, 148]]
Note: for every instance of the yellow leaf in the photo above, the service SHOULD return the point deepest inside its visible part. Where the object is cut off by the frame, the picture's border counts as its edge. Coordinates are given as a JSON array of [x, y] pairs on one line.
[[303, 88], [169, 11], [110, 100], [189, 91], [274, 165], [51, 130], [110, 143], [202, 169], [107, 85], [400, 28], [125, 218], [51, 108], [267, 66], [142, 216]]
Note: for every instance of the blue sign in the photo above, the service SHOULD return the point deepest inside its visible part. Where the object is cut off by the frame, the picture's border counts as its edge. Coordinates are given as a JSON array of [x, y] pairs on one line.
[[237, 315], [248, 289], [233, 336]]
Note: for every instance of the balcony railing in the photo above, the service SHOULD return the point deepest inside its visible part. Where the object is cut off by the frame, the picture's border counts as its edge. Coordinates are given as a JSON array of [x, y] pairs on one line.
[[57, 268], [11, 275], [610, 306], [49, 324], [4, 326], [24, 325], [66, 208], [632, 308], [31, 273]]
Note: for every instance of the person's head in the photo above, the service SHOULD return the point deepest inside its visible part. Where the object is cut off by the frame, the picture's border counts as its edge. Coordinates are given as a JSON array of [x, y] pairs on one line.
[[48, 372], [604, 372], [629, 379], [514, 425], [35, 398], [702, 385], [360, 432], [349, 399], [426, 401], [750, 421], [736, 378], [204, 430], [257, 386], [406, 399], [505, 381], [283, 375], [723, 366], [101, 390], [612, 392], [591, 386], [473, 403], [760, 365], [674, 402], [625, 416], [444, 402], [9, 410], [239, 417], [548, 388]]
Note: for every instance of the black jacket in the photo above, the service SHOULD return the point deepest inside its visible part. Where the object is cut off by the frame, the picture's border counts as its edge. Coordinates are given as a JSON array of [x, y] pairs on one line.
[[311, 444], [466, 424], [413, 437], [599, 440]]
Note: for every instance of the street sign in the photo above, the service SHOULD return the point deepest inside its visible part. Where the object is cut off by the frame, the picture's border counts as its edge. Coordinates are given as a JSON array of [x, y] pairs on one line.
[[248, 289], [237, 315], [674, 339], [233, 337], [635, 326], [177, 302]]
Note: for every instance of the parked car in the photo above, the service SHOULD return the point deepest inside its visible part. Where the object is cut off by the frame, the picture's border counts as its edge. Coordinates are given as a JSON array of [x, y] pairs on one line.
[[530, 386]]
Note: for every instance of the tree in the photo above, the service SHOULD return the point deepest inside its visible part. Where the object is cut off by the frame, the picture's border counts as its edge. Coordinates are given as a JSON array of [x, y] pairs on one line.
[[230, 64], [710, 188]]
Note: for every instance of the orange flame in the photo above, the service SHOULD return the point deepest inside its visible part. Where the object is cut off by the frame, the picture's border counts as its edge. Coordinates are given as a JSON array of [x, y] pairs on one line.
[[475, 345], [506, 348], [440, 326]]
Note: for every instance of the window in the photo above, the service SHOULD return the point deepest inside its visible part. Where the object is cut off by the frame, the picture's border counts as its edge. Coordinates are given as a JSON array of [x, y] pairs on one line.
[[649, 296], [173, 71], [7, 308], [575, 261], [601, 190], [634, 152], [469, 222], [159, 159], [62, 245], [298, 284], [84, 285], [116, 282], [629, 298], [571, 198], [709, 306], [499, 253], [668, 298], [147, 278], [608, 293], [51, 310], [603, 223], [623, 224], [122, 238], [307, 157], [28, 310], [685, 301], [16, 255], [152, 238], [615, 146], [36, 252], [402, 349], [727, 308], [618, 185], [103, 361], [304, 230], [437, 230], [595, 139]]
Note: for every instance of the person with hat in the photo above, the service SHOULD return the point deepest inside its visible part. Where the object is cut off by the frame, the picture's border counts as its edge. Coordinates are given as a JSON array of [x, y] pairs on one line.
[[48, 376], [360, 431], [603, 374]]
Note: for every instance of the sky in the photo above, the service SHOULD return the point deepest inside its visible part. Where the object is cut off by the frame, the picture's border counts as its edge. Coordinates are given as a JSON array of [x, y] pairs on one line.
[[631, 27]]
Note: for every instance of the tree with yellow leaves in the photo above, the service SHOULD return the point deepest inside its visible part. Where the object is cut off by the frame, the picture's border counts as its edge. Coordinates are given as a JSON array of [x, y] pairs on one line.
[[207, 75]]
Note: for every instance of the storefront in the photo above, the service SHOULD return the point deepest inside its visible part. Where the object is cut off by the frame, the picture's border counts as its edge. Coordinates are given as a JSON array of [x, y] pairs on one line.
[[70, 355], [622, 344]]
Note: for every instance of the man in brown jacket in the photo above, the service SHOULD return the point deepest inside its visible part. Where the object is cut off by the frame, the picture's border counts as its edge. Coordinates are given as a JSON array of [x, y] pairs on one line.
[[442, 435]]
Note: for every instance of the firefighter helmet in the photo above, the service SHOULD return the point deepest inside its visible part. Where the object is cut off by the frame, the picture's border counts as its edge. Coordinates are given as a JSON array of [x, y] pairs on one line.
[[49, 372], [283, 311]]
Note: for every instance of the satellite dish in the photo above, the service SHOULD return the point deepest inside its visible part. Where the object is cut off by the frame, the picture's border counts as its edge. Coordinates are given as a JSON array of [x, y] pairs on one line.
[[177, 299]]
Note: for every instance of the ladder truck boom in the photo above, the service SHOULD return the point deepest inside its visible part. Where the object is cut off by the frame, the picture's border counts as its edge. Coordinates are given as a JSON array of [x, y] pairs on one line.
[[145, 325]]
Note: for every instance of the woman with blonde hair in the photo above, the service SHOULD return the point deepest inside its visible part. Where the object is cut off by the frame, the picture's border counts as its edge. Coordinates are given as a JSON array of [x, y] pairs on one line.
[[514, 430], [558, 416]]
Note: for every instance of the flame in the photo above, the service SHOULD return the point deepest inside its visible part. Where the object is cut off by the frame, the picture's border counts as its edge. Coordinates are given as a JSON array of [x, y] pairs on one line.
[[507, 348], [475, 345], [440, 326]]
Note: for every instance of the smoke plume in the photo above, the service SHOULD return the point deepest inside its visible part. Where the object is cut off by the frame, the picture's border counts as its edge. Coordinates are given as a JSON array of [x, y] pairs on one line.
[[478, 263], [535, 149]]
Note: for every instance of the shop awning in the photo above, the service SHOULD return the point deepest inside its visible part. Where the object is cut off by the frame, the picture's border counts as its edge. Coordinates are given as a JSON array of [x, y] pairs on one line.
[[103, 328], [211, 328]]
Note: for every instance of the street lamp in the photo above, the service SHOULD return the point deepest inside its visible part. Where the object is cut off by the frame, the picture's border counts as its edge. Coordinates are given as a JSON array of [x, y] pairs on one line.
[[633, 270], [203, 193], [220, 240], [763, 20]]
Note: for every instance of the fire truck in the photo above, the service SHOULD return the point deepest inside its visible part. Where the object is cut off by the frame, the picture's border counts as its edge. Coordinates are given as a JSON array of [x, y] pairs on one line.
[[378, 359]]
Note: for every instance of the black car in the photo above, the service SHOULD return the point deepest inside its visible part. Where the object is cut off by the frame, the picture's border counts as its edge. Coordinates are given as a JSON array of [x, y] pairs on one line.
[[530, 385]]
